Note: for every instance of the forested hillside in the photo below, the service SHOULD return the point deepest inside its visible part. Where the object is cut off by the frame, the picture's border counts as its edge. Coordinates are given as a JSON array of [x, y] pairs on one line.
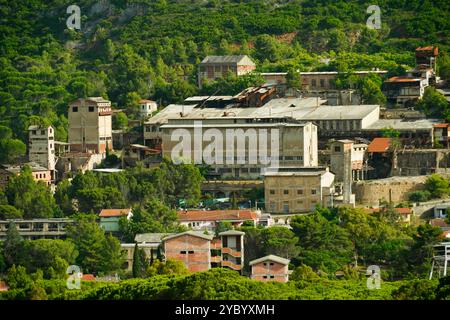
[[132, 49]]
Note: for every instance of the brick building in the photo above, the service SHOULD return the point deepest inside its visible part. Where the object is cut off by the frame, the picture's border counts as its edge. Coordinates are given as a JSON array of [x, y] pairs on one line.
[[270, 268], [193, 248]]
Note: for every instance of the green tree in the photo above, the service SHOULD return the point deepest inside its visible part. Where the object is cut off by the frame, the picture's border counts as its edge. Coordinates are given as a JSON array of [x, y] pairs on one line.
[[120, 121], [11, 149], [140, 263], [12, 247], [97, 252], [31, 197], [17, 278], [437, 185], [433, 103], [9, 212]]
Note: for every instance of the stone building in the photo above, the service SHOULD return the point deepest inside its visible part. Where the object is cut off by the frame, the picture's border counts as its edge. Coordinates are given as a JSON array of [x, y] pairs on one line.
[[90, 127], [270, 268], [213, 67], [298, 190], [356, 158], [41, 147]]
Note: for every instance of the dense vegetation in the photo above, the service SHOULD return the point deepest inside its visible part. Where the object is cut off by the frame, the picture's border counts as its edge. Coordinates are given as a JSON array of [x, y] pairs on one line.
[[131, 49]]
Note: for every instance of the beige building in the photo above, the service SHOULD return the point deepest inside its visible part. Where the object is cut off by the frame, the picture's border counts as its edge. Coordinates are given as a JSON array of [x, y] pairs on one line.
[[247, 145], [38, 172], [147, 107], [41, 143], [213, 67], [90, 127], [297, 190], [347, 151]]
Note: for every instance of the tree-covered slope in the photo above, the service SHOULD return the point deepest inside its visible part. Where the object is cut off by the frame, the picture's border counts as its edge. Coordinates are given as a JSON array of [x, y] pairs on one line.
[[131, 49]]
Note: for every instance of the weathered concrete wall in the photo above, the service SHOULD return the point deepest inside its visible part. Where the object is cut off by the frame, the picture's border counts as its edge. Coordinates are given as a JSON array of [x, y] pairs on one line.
[[421, 162]]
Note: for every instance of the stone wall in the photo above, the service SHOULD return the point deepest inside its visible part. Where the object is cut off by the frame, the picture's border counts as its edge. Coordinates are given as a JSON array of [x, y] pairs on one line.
[[395, 189]]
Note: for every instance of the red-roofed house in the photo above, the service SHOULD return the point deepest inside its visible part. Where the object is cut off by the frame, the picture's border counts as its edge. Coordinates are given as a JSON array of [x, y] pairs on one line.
[[379, 145], [207, 220], [88, 277], [109, 218], [405, 213]]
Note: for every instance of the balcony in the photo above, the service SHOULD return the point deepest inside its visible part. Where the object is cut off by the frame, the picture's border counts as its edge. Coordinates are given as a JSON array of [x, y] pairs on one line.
[[216, 259], [232, 252], [231, 265]]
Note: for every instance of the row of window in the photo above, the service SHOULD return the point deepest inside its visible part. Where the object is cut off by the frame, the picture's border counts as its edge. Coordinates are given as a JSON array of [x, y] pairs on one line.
[[187, 252], [34, 132], [287, 191], [339, 124], [90, 108]]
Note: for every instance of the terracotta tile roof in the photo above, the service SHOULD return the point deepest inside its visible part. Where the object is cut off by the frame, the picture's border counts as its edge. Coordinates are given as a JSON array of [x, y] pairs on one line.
[[114, 212], [88, 277], [439, 222], [402, 79], [216, 215], [441, 125], [379, 145]]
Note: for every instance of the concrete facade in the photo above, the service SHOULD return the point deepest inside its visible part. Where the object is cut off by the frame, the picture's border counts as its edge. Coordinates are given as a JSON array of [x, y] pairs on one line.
[[293, 144], [213, 67], [41, 143], [299, 190], [357, 159], [90, 126], [36, 228], [147, 107]]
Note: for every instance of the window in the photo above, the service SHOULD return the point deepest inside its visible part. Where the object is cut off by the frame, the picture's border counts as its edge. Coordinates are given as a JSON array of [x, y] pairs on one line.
[[313, 191], [272, 191], [74, 109], [285, 191], [313, 82], [272, 277], [322, 83], [337, 149], [183, 252], [300, 191], [91, 109], [191, 252], [42, 132], [271, 263], [286, 207], [265, 277], [33, 132], [299, 201]]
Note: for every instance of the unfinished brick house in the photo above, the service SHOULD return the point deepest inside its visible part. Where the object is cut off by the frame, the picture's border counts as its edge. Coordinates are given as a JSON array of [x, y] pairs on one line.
[[193, 248], [270, 268]]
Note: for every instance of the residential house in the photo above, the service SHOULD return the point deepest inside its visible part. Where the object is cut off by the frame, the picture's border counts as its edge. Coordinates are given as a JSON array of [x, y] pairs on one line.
[[38, 172], [41, 147], [232, 250], [109, 218], [192, 248], [147, 108], [270, 268]]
